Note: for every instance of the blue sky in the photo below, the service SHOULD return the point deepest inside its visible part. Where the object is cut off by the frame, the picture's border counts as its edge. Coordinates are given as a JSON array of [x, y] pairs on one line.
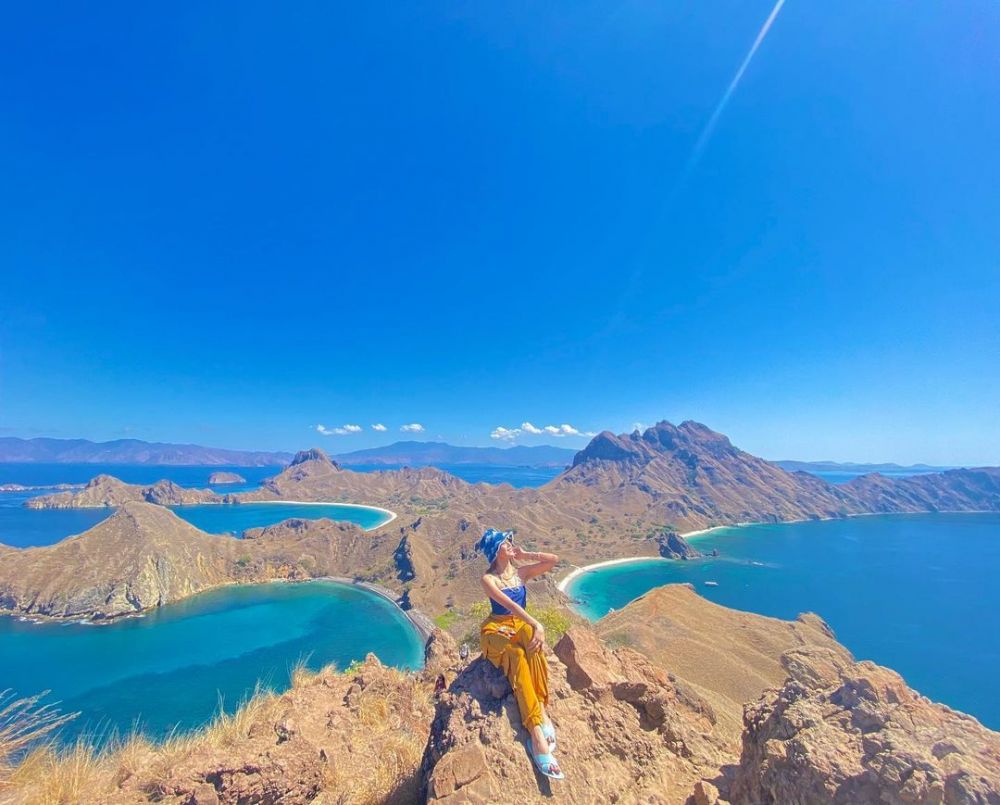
[[233, 223]]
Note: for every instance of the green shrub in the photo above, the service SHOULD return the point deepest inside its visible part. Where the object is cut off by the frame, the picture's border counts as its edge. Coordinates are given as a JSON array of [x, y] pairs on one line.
[[446, 619], [554, 621], [479, 609]]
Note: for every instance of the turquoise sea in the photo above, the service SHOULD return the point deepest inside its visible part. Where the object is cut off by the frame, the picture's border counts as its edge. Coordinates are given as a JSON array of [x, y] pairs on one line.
[[176, 666], [235, 519], [918, 593], [25, 528]]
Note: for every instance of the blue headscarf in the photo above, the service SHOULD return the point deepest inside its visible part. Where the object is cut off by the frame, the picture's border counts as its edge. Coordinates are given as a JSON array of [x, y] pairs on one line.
[[490, 542]]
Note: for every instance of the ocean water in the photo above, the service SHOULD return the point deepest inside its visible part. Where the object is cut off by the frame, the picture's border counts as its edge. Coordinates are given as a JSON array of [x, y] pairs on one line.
[[485, 473], [25, 528], [841, 477], [917, 593], [192, 476], [175, 667], [197, 476], [234, 519]]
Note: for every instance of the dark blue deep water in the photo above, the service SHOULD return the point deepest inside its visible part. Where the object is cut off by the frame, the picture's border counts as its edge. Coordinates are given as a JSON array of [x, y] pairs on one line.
[[918, 593], [173, 667]]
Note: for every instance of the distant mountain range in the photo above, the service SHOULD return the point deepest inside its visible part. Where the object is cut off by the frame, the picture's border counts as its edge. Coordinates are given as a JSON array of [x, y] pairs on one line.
[[415, 454], [129, 451], [850, 466], [136, 451], [409, 453]]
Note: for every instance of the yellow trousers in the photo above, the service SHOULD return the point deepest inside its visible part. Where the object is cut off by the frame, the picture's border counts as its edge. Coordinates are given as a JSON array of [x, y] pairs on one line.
[[504, 641]]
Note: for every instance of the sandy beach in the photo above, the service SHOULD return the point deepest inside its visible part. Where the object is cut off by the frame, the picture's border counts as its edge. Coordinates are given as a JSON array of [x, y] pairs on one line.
[[392, 514]]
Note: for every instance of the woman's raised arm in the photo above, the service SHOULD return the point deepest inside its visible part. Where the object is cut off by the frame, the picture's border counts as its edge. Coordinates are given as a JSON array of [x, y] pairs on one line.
[[543, 563]]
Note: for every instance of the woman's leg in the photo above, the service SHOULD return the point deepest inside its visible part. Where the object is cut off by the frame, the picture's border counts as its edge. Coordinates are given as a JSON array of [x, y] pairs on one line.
[[538, 667], [507, 653], [510, 657]]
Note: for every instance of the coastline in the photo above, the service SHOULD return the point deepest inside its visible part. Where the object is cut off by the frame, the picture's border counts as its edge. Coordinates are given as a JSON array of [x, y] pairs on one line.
[[579, 571], [392, 514], [417, 619], [564, 583]]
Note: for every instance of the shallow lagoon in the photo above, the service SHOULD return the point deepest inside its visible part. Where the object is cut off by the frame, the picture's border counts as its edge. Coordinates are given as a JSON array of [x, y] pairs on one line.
[[917, 593], [173, 667]]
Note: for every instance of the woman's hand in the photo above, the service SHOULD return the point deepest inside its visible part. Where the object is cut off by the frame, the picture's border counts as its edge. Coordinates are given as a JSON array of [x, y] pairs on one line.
[[518, 553], [537, 636]]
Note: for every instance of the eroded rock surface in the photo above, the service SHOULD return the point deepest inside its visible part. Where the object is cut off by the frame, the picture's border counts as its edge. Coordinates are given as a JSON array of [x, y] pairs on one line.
[[626, 733], [859, 734]]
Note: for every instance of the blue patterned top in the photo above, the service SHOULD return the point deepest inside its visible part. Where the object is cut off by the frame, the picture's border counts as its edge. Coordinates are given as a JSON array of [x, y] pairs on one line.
[[518, 594]]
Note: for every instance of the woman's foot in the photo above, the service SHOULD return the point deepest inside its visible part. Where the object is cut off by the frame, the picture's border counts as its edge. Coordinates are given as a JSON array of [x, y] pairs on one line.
[[545, 762], [540, 741]]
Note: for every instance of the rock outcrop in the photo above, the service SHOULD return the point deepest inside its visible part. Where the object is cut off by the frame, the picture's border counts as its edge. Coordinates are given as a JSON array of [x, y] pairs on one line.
[[225, 478], [673, 546], [627, 733], [859, 734]]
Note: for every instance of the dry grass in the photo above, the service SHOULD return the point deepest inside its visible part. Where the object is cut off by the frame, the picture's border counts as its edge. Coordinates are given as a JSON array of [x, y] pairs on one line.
[[395, 746], [392, 717], [79, 773], [24, 722]]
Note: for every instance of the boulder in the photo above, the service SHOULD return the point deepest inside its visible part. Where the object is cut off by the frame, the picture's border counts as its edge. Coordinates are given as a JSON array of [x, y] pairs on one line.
[[627, 735], [858, 733]]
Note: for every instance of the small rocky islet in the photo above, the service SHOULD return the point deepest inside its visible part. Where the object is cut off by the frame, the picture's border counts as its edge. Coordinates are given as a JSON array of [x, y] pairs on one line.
[[775, 712]]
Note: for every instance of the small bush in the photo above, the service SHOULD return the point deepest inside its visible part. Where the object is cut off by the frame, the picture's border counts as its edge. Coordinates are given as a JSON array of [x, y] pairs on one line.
[[479, 609], [554, 621], [446, 619]]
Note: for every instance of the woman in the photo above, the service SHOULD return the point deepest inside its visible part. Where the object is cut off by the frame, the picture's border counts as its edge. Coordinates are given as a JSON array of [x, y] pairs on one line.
[[512, 640]]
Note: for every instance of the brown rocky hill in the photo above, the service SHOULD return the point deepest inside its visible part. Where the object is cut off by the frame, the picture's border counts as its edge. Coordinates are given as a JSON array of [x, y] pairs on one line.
[[145, 556], [951, 490], [729, 657], [690, 477], [107, 491]]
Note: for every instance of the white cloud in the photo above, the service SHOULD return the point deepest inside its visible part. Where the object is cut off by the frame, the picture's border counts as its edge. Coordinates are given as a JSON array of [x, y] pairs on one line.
[[562, 430], [341, 431], [379, 427], [509, 434], [413, 427]]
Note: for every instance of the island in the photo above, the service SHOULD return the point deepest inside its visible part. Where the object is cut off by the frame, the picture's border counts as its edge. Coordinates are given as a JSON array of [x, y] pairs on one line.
[[221, 477]]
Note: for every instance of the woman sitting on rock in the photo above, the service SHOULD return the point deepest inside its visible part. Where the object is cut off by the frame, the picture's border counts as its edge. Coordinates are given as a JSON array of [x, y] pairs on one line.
[[512, 640]]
